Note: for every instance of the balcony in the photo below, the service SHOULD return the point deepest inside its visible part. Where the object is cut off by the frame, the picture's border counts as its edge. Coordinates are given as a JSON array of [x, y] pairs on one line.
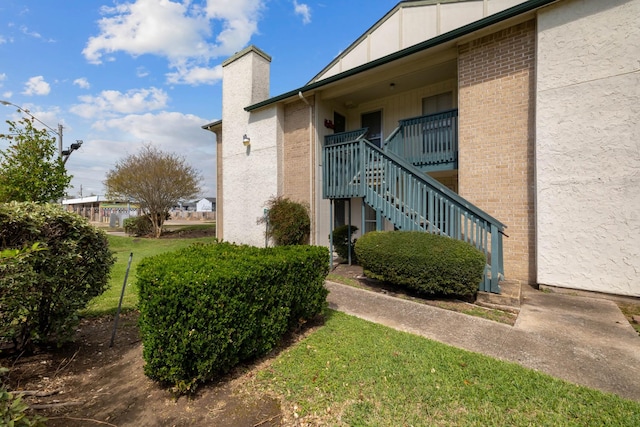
[[430, 143]]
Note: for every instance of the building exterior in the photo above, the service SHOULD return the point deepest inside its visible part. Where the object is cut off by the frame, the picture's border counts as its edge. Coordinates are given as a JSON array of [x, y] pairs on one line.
[[208, 204], [100, 209], [510, 124]]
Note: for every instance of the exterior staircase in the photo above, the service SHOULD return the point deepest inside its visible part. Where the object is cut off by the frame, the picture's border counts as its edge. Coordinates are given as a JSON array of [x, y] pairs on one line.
[[405, 195]]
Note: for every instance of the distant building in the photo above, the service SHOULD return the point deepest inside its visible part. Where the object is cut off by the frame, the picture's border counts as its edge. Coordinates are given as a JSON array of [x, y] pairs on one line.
[[208, 204], [100, 209]]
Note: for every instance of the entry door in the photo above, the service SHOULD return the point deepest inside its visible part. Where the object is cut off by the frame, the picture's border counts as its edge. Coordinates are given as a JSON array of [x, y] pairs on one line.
[[373, 121], [339, 123]]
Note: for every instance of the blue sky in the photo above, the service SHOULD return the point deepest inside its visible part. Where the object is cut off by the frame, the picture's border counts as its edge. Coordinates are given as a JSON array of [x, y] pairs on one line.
[[120, 74]]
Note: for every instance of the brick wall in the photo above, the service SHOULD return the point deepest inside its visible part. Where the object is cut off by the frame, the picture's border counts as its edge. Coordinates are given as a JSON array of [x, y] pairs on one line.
[[496, 125], [298, 166]]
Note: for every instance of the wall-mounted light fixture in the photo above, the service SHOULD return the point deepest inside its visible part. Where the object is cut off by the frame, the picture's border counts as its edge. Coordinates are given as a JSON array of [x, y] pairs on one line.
[[392, 86], [246, 140]]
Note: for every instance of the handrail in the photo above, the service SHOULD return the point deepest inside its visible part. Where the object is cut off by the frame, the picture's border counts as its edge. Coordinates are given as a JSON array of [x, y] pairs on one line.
[[411, 200], [428, 140], [348, 136]]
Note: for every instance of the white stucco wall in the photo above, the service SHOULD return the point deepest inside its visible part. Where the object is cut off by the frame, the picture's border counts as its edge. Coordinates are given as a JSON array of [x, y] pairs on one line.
[[588, 146], [250, 174]]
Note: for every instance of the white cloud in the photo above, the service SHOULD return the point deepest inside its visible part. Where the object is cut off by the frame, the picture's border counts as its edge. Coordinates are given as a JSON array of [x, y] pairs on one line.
[[82, 82], [303, 10], [111, 102], [36, 86], [170, 131], [142, 72], [2, 39], [239, 22], [182, 32], [195, 75], [27, 32], [3, 77], [36, 35], [161, 27]]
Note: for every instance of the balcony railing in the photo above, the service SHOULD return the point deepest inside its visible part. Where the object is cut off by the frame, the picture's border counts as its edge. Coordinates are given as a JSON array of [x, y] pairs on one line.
[[411, 200], [428, 142]]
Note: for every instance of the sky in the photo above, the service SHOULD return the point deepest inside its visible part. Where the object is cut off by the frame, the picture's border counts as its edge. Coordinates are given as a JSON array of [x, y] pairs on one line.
[[119, 74]]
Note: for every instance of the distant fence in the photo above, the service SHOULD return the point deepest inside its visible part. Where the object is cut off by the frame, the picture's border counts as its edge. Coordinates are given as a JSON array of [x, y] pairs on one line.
[[193, 216]]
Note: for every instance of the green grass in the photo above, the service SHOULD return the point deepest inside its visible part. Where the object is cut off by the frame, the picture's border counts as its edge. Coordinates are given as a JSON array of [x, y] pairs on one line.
[[630, 309], [107, 303], [357, 373]]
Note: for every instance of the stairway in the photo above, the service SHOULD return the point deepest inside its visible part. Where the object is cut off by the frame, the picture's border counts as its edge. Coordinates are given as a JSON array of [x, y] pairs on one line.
[[410, 199]]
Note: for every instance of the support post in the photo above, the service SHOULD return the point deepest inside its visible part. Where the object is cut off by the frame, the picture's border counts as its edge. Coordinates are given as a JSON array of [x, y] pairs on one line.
[[331, 234], [115, 324]]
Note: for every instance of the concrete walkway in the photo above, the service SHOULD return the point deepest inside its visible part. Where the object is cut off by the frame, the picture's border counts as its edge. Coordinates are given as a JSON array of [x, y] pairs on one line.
[[583, 340]]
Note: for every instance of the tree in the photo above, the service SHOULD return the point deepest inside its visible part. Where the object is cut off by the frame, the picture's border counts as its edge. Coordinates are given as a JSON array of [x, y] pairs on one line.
[[155, 179], [30, 169]]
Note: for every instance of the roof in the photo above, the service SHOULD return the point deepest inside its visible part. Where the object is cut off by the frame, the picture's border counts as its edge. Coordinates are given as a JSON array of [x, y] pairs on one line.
[[452, 35], [385, 17], [212, 126]]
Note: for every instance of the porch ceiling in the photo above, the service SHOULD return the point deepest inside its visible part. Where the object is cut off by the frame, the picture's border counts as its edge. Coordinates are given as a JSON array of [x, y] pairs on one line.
[[405, 77]]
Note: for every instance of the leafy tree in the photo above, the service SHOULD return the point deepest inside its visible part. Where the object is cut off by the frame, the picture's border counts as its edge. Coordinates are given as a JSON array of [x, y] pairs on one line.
[[30, 168], [155, 179]]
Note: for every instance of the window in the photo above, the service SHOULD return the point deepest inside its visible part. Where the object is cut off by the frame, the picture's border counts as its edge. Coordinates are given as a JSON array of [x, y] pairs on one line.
[[436, 103]]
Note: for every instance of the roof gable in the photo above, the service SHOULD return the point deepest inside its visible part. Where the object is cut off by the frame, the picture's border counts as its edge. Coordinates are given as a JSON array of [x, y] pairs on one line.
[[410, 23]]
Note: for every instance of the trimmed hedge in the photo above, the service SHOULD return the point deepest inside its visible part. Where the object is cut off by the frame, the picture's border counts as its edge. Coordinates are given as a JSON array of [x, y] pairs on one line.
[[424, 262], [66, 263], [206, 308]]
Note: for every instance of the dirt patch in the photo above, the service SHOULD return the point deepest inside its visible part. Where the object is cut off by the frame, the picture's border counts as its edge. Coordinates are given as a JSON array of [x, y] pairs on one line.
[[87, 383], [188, 233]]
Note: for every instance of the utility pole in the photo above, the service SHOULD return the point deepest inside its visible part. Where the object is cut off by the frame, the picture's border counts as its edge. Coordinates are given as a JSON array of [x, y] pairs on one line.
[[62, 154], [59, 140]]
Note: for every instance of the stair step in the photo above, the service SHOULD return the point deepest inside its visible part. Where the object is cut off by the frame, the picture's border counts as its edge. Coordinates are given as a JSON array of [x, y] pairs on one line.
[[509, 298]]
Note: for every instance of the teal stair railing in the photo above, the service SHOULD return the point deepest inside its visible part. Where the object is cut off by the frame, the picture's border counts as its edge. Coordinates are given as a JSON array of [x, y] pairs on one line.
[[411, 200], [428, 142]]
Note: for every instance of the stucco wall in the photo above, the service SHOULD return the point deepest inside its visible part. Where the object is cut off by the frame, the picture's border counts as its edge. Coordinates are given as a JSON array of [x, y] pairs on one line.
[[588, 146], [250, 174]]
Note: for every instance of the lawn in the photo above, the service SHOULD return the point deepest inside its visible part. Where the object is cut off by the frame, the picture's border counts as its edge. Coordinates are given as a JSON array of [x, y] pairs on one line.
[[107, 303], [353, 372], [357, 373]]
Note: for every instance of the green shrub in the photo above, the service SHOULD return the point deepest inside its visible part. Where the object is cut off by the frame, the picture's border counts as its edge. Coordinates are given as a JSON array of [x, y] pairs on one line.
[[423, 262], [206, 308], [13, 410], [42, 290], [138, 225], [288, 222], [341, 241]]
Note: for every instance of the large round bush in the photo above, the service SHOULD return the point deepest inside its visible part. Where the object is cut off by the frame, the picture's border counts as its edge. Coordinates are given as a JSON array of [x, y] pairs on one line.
[[42, 290], [424, 262], [288, 222]]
